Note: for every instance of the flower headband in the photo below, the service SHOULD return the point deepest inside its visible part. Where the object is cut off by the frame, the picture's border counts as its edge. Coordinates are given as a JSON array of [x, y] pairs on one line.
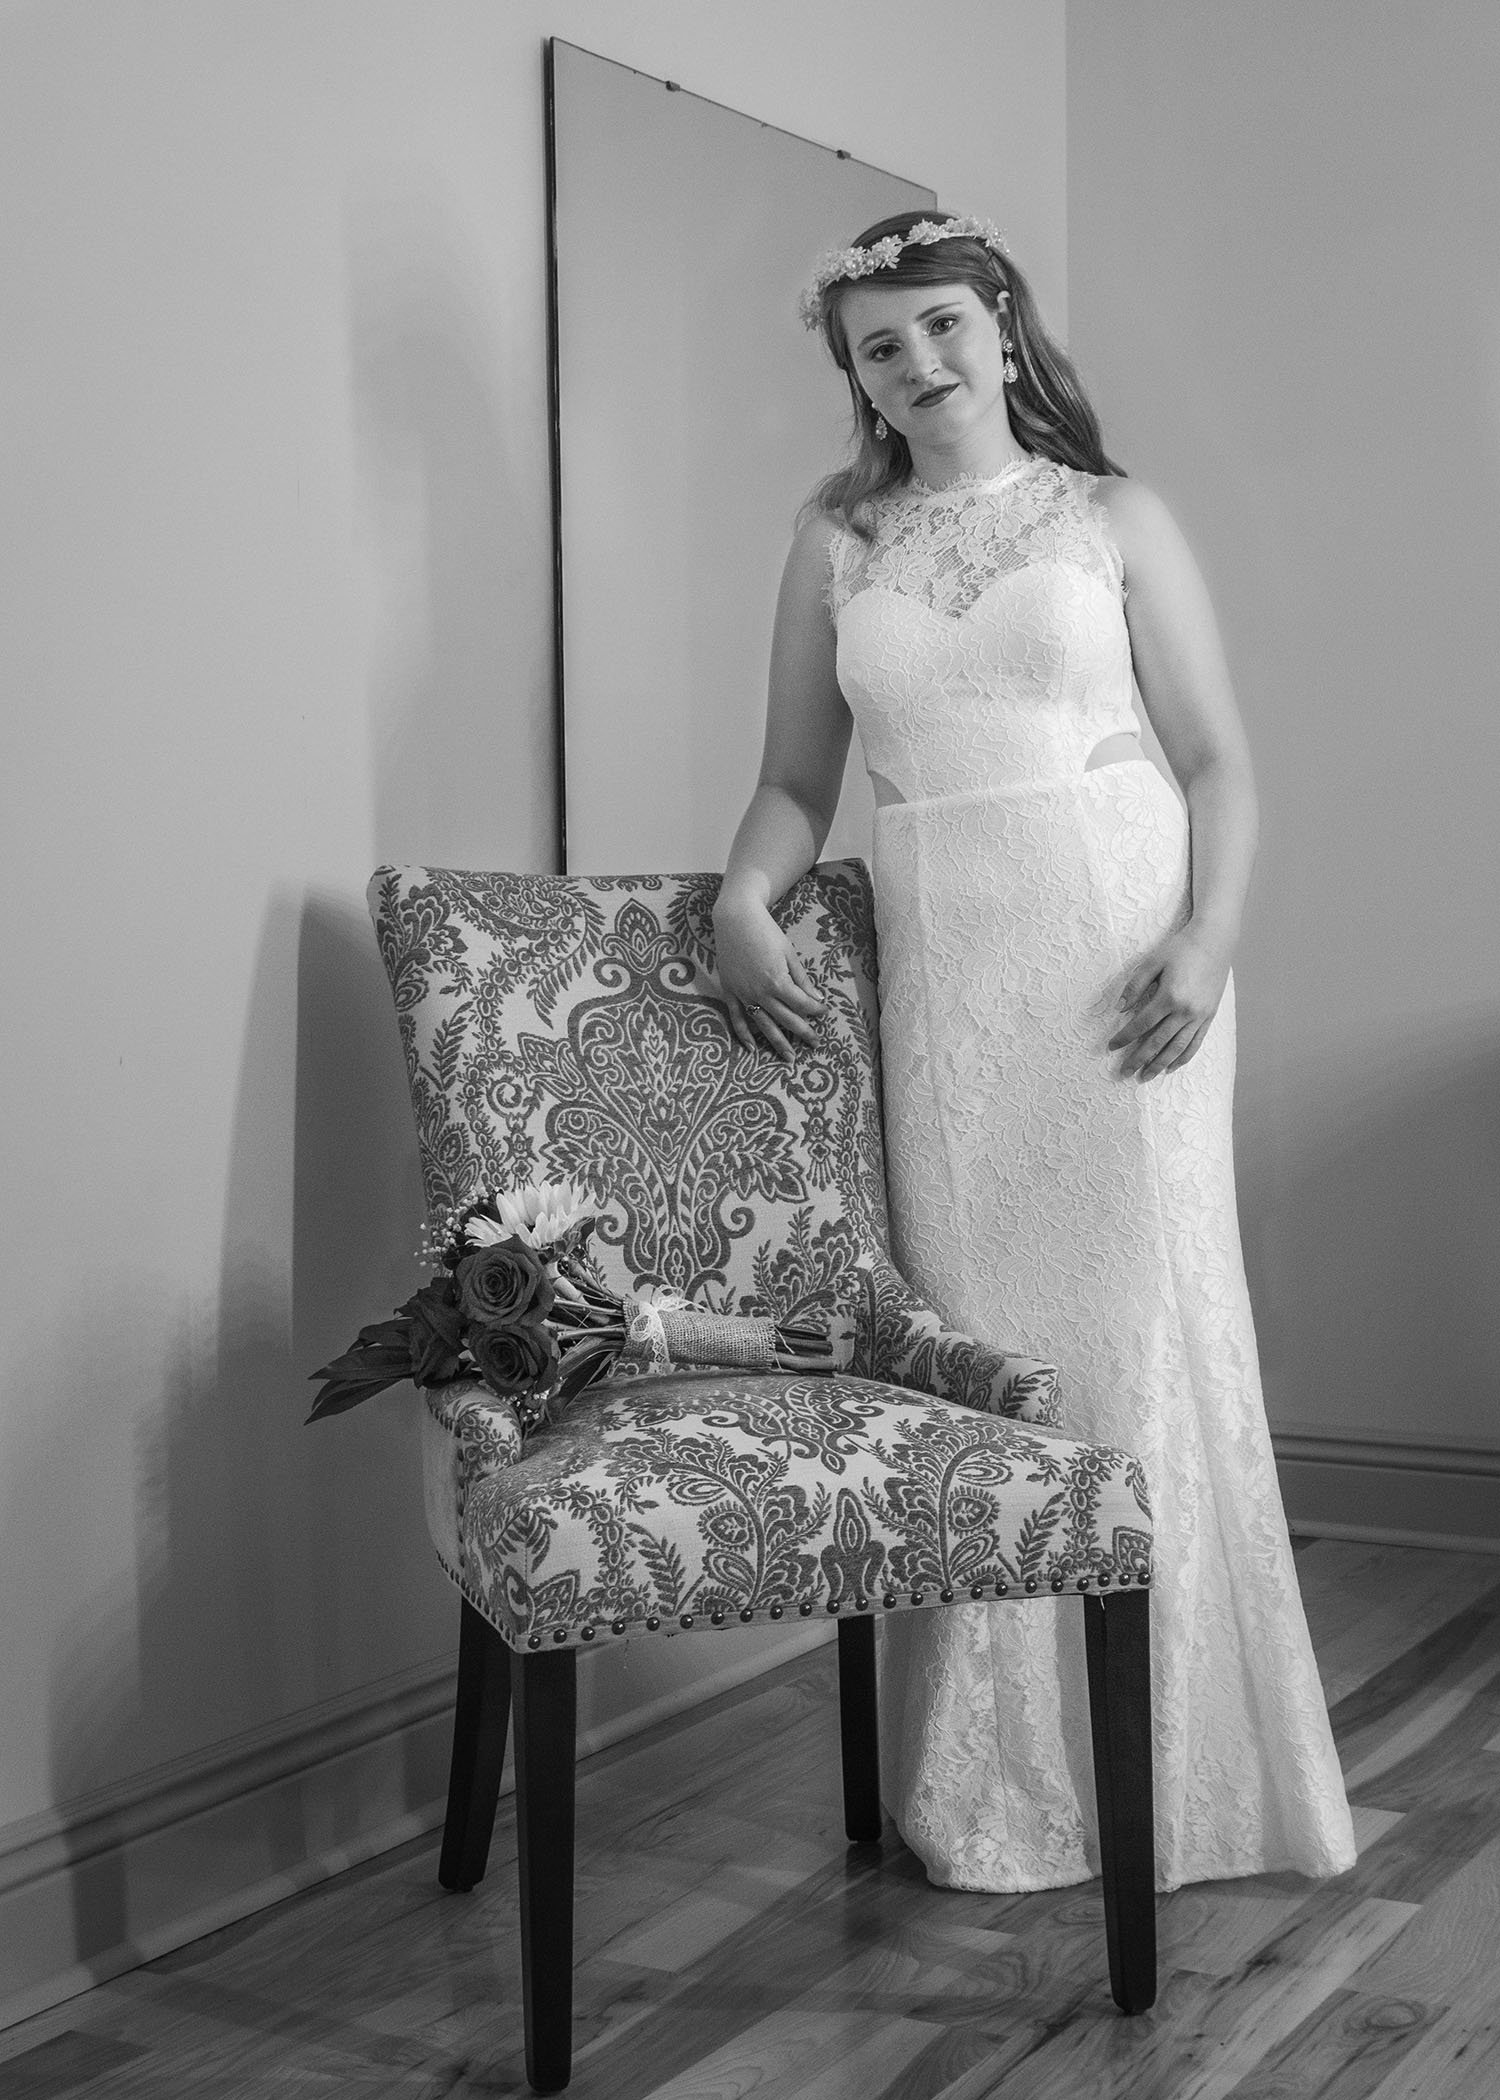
[[841, 264]]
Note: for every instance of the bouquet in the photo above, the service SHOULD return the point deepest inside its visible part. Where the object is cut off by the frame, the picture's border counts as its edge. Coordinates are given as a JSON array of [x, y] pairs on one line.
[[518, 1303]]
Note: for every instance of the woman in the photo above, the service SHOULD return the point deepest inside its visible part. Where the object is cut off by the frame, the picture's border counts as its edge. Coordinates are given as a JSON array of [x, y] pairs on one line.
[[981, 586]]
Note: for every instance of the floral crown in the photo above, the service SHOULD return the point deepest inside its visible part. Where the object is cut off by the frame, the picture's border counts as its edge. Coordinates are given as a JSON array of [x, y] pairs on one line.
[[841, 264]]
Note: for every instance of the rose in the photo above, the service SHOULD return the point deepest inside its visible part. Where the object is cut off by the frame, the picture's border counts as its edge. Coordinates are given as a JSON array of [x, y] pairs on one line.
[[505, 1285], [515, 1359], [436, 1331]]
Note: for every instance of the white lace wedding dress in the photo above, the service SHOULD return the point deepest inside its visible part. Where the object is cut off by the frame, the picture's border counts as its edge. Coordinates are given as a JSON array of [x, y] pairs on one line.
[[1041, 1200]]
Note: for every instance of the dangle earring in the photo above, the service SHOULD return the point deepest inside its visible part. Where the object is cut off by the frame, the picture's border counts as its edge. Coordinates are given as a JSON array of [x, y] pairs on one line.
[[881, 432], [1009, 374]]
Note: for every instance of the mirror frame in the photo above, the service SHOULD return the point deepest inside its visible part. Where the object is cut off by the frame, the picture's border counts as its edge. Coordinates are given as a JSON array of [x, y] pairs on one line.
[[869, 185]]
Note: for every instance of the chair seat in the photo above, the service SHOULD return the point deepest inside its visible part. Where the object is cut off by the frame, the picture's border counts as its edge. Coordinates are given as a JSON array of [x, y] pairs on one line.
[[681, 1502]]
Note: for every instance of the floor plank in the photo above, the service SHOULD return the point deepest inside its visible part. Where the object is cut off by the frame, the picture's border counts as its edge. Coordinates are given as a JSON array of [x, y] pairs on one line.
[[1342, 2050], [730, 1942], [1450, 1952]]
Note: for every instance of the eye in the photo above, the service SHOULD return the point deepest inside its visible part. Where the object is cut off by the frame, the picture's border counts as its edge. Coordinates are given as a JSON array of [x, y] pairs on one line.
[[942, 323], [880, 352]]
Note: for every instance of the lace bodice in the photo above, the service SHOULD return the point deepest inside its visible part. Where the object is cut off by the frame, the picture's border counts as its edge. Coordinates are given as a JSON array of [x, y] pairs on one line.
[[981, 637]]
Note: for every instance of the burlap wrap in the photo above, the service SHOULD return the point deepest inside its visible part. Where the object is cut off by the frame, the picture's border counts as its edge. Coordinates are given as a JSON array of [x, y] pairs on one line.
[[660, 1339]]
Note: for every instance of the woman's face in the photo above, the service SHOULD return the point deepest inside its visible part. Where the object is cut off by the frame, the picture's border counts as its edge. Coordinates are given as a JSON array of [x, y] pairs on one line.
[[928, 356]]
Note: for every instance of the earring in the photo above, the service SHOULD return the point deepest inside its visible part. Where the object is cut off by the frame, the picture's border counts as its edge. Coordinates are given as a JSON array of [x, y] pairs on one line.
[[881, 433], [1009, 374]]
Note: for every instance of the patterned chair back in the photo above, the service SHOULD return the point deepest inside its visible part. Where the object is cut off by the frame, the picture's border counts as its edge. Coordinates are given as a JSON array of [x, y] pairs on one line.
[[572, 1026]]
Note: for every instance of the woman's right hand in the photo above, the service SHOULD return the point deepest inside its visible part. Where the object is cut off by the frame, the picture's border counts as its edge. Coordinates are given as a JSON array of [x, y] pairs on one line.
[[769, 994], [771, 1001]]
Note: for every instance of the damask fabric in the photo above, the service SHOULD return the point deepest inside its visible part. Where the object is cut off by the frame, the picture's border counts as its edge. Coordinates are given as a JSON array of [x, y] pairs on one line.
[[684, 1502], [983, 647], [572, 1027]]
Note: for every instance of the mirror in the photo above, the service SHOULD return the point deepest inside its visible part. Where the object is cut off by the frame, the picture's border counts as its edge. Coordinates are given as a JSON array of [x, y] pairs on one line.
[[693, 414]]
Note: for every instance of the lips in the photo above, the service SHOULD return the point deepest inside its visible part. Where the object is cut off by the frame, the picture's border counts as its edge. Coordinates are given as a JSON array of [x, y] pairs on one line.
[[934, 395]]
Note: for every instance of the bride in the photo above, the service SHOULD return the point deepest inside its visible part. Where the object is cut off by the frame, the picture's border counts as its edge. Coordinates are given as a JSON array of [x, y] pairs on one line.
[[984, 591]]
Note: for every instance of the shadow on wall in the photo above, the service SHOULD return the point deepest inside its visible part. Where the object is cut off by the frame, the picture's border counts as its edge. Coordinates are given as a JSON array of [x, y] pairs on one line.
[[461, 685], [278, 1566], [358, 1212], [1377, 1244], [205, 1657]]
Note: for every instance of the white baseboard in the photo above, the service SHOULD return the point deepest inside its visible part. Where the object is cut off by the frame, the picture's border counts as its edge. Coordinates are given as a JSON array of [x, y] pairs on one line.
[[100, 1885], [1384, 1535], [1397, 1490]]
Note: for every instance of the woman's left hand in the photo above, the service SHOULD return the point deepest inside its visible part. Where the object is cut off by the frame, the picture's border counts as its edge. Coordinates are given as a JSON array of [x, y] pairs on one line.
[[1168, 1000]]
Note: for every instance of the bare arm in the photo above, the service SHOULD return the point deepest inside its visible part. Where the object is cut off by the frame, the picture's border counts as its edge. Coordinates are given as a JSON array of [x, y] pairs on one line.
[[802, 766], [1174, 991]]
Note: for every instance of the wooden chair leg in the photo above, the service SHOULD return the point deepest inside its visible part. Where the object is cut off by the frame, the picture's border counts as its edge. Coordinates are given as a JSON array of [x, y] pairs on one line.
[[545, 1691], [859, 1731], [480, 1718], [1118, 1640]]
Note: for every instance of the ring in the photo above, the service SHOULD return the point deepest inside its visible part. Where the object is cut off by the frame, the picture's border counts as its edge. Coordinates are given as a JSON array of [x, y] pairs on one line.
[[753, 1009]]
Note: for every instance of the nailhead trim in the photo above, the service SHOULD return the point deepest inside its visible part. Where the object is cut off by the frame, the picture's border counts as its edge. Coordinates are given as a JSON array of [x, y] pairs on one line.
[[890, 1599]]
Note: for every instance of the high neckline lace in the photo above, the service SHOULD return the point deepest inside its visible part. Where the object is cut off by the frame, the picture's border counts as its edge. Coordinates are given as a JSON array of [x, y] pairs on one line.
[[966, 484]]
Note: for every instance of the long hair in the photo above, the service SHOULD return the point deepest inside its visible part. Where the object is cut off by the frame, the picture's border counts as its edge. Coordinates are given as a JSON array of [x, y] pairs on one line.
[[1049, 411]]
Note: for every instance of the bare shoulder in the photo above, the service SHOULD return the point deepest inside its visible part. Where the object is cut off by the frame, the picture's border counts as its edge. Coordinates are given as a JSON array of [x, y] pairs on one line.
[[809, 566], [1148, 536], [813, 544], [1136, 512]]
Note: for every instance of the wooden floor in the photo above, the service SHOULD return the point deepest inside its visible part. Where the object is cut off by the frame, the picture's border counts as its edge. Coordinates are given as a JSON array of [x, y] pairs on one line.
[[730, 1943]]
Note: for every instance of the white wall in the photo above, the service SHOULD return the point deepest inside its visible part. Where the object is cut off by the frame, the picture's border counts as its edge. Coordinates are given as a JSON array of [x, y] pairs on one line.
[[275, 561], [1282, 263]]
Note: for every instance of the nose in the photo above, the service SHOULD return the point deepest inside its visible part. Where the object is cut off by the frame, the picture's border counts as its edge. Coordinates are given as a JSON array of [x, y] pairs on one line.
[[922, 362]]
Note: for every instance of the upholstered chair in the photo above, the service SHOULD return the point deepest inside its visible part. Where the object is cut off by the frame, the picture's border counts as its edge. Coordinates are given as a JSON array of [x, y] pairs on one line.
[[571, 1027]]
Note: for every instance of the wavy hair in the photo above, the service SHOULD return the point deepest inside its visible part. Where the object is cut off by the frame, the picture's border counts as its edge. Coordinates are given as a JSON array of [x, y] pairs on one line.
[[1049, 411]]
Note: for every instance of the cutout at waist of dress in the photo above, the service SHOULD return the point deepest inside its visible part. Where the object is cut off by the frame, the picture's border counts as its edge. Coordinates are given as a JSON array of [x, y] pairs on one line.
[[1122, 748]]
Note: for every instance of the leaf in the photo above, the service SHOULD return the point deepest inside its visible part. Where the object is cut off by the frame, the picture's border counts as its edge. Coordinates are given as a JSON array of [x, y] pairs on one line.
[[382, 1348], [585, 1362], [1031, 1539], [664, 1564], [340, 1394], [380, 1356], [446, 1045]]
